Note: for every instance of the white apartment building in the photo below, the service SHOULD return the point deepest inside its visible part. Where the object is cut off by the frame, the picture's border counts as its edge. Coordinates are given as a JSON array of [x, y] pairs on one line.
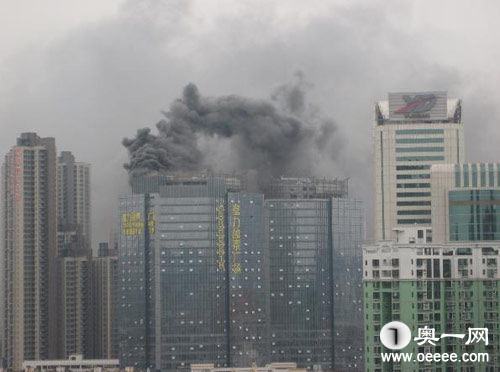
[[29, 250], [411, 132], [409, 262]]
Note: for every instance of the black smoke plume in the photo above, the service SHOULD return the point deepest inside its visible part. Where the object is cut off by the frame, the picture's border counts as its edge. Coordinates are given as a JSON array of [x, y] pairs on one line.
[[272, 137]]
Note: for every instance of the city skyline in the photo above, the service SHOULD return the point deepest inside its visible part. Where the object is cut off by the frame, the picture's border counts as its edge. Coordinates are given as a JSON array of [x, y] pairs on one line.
[[193, 185], [68, 62]]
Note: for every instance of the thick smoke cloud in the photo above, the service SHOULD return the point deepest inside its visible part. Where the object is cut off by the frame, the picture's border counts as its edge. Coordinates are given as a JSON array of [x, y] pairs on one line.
[[273, 137], [93, 83]]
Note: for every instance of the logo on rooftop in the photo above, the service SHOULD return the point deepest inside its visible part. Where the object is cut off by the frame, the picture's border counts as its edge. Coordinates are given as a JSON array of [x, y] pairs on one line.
[[417, 104]]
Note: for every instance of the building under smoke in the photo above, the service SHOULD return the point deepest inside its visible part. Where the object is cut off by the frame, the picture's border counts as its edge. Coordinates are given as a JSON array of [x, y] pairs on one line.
[[184, 297], [232, 269], [285, 135], [209, 273], [152, 183], [307, 188]]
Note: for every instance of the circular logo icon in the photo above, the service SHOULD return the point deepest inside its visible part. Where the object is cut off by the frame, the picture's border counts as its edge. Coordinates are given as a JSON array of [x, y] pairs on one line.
[[395, 335]]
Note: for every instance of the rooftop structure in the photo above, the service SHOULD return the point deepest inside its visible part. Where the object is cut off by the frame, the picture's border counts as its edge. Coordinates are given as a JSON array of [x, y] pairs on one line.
[[272, 367], [155, 182], [450, 110], [307, 188], [73, 363]]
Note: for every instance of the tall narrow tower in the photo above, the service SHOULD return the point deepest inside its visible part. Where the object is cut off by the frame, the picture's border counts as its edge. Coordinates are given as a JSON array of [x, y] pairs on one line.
[[29, 274], [73, 234], [73, 205], [411, 131]]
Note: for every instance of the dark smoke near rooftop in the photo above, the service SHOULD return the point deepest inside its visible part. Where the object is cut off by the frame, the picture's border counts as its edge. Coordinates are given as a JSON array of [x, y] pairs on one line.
[[283, 135]]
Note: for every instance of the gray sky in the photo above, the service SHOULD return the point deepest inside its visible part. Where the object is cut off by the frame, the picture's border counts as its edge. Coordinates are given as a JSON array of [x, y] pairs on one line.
[[92, 72]]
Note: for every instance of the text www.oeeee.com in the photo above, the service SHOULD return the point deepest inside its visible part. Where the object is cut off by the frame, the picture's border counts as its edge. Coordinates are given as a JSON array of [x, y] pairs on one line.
[[435, 357]]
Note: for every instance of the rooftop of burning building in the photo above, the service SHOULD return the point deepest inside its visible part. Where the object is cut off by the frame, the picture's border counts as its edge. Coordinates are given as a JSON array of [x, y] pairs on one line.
[[283, 187]]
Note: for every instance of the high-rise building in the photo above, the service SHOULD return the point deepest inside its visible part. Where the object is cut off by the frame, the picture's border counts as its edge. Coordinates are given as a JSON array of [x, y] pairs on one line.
[[75, 306], [29, 248], [104, 327], [348, 235], [204, 277], [315, 281], [74, 256], [73, 205], [448, 288], [174, 270], [411, 131]]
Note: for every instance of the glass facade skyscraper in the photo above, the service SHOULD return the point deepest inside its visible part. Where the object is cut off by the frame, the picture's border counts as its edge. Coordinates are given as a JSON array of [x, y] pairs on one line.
[[347, 238], [474, 215], [209, 275], [248, 295], [315, 281], [190, 318], [300, 281], [184, 296], [135, 287]]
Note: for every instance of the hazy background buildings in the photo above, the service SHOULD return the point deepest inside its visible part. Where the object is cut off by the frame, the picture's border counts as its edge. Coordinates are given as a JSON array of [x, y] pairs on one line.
[[94, 72], [53, 291]]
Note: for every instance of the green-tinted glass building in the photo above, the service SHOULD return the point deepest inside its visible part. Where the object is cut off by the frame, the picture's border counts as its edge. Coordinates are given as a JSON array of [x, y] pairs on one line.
[[465, 202], [474, 214]]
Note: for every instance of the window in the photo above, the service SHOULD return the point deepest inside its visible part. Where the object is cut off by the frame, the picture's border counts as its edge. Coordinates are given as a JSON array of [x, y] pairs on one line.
[[457, 175], [413, 203], [474, 175], [466, 175], [420, 140], [447, 268], [413, 194], [483, 175], [413, 185], [413, 167], [414, 212], [420, 149], [420, 131], [489, 251], [414, 221], [419, 158], [413, 176]]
